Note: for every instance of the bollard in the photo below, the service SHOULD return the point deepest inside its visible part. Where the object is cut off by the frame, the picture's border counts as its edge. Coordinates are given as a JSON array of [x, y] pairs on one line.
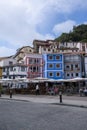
[[60, 96], [10, 95]]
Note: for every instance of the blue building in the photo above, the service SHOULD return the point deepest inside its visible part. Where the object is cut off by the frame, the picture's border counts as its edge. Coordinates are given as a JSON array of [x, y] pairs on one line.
[[53, 66]]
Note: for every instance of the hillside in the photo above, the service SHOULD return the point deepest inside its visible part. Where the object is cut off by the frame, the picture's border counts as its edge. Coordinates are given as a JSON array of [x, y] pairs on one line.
[[78, 34]]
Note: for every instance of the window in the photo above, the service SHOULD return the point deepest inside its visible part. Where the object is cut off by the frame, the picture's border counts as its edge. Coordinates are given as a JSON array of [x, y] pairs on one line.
[[22, 68], [57, 74], [30, 61], [48, 49], [11, 68], [76, 66], [50, 65], [68, 75], [50, 57], [10, 62], [77, 74], [51, 74], [30, 69], [34, 69], [71, 66], [57, 57], [67, 66], [3, 69], [57, 65], [71, 74], [44, 49]]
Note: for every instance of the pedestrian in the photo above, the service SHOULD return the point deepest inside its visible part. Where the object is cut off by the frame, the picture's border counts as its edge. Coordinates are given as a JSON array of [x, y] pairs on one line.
[[85, 91], [37, 89], [56, 90], [81, 92], [10, 93]]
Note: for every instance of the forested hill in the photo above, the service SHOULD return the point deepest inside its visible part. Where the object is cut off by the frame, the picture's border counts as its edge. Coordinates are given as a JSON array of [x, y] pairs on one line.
[[78, 34]]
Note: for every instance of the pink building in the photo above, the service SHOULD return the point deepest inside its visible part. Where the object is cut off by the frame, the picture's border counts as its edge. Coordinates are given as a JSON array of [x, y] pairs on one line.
[[34, 64]]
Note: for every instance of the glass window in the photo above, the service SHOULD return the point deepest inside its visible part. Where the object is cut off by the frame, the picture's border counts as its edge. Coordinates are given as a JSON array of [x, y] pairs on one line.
[[22, 68], [57, 57], [76, 66], [68, 75], [3, 69], [51, 74], [50, 57], [57, 65], [50, 65], [77, 74], [14, 69], [57, 74], [11, 68], [48, 49], [30, 61], [34, 69], [72, 74], [10, 62], [44, 49], [67, 66]]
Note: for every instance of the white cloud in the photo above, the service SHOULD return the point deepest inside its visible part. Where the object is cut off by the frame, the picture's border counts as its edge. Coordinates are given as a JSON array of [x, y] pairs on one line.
[[19, 18], [64, 27], [85, 22], [4, 51]]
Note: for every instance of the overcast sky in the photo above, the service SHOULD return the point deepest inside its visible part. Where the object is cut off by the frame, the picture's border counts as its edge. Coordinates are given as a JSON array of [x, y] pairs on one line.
[[22, 21]]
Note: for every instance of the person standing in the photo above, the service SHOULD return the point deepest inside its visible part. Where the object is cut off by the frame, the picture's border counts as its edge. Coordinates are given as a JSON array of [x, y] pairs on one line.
[[81, 92], [37, 90], [10, 93]]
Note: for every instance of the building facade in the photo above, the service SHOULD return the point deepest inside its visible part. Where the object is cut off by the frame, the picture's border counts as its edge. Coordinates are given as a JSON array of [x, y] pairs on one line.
[[34, 65], [53, 66], [14, 71], [43, 47], [72, 65], [21, 52]]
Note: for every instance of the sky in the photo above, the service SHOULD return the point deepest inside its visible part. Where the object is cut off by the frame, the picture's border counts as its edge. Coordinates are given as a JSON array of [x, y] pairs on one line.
[[22, 21]]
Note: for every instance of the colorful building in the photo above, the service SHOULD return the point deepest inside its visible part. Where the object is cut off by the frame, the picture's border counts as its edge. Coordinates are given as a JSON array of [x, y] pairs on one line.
[[53, 66], [72, 65], [34, 63]]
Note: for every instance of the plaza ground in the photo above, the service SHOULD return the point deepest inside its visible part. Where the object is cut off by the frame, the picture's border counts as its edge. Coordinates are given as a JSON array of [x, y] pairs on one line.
[[74, 100]]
